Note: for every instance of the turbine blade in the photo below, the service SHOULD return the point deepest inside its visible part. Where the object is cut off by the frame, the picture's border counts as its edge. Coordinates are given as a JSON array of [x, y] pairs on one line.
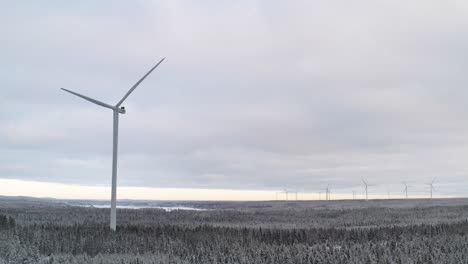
[[89, 99], [138, 83]]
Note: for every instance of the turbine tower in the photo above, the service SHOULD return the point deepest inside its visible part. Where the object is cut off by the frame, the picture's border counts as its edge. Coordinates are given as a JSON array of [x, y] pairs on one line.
[[431, 186], [366, 188], [117, 109]]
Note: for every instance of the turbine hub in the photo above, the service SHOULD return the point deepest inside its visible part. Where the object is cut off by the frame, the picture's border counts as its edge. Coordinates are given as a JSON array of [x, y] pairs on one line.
[[122, 110]]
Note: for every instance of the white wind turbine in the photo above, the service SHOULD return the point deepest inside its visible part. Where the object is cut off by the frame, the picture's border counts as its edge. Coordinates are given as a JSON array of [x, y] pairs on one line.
[[327, 192], [277, 193], [406, 189], [117, 109], [286, 192], [431, 186], [366, 188]]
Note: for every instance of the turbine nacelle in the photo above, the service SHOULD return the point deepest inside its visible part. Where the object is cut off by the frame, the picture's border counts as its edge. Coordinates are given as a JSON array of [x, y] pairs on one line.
[[121, 110]]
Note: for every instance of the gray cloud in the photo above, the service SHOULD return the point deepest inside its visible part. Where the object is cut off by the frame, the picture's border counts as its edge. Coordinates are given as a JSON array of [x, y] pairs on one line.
[[260, 95]]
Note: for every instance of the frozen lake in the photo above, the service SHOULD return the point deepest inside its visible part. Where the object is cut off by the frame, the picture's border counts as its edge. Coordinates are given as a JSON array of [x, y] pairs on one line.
[[167, 209]]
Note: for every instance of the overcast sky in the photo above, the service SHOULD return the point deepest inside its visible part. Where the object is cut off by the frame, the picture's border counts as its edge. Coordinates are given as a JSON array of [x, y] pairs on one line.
[[253, 95]]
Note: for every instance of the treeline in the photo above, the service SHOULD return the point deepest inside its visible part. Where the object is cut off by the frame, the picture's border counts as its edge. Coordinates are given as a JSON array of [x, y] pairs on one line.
[[95, 243]]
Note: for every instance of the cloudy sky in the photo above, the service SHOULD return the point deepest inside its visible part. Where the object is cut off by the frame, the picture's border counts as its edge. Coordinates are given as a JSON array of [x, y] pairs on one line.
[[254, 97]]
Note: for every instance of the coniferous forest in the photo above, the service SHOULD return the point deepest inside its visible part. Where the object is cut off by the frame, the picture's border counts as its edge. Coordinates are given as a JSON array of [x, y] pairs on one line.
[[422, 232]]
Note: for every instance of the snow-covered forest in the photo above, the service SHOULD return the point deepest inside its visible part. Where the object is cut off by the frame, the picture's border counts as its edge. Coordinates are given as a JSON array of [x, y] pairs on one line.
[[272, 232]]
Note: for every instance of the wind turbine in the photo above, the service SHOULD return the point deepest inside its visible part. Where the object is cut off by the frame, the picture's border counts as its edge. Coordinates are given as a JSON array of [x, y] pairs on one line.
[[276, 195], [366, 187], [285, 191], [327, 192], [431, 186], [406, 189], [117, 109]]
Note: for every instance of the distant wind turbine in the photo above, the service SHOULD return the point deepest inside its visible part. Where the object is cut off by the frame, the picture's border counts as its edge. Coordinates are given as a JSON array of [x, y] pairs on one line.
[[277, 193], [117, 109], [431, 186], [286, 192], [366, 188], [327, 192], [406, 189]]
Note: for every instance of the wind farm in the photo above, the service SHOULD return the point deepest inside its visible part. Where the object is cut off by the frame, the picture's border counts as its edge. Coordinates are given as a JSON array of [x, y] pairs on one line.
[[381, 194], [275, 132]]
